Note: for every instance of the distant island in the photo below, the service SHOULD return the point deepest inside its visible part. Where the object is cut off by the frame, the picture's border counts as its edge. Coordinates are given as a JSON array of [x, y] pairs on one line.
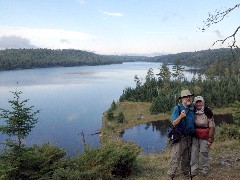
[[12, 59]]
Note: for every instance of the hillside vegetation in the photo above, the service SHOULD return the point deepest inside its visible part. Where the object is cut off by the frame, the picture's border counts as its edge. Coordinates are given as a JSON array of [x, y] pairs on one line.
[[11, 59]]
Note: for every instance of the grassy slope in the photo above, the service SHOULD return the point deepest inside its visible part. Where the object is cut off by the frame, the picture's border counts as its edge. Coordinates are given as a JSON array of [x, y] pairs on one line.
[[134, 113], [224, 163], [224, 156]]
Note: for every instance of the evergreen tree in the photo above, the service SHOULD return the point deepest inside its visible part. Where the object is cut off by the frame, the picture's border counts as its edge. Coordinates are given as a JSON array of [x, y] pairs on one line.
[[113, 106], [120, 117], [20, 120], [178, 70], [164, 73], [110, 115]]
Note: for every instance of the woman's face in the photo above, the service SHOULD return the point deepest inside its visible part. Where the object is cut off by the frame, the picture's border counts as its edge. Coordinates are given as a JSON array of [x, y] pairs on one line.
[[199, 104]]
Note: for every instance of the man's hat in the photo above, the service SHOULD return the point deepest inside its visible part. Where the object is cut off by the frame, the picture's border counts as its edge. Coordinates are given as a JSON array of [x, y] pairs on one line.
[[185, 93]]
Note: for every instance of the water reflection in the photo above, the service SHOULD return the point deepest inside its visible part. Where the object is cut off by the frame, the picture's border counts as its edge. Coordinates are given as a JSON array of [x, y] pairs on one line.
[[151, 137]]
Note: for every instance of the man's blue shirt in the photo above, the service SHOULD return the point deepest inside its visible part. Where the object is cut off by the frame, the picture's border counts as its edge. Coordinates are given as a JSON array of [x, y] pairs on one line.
[[186, 126]]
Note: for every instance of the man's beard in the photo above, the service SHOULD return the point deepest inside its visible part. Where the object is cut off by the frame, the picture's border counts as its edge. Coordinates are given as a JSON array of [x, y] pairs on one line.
[[187, 103]]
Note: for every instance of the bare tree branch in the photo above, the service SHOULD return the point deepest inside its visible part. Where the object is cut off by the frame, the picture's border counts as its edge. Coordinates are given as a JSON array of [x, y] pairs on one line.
[[219, 16], [233, 36]]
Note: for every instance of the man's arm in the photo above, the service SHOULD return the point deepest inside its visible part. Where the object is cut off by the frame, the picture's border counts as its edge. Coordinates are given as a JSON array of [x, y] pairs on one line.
[[179, 118]]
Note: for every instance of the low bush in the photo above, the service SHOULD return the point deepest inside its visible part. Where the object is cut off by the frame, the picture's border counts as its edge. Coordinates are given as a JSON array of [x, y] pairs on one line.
[[114, 159], [30, 162], [227, 131]]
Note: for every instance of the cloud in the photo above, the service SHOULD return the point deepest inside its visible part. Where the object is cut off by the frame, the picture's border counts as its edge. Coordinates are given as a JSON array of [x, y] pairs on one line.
[[112, 13], [15, 42], [217, 32], [64, 41], [160, 32], [49, 38], [82, 2]]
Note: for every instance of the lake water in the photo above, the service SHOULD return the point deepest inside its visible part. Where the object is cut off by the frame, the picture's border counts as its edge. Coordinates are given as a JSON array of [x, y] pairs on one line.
[[72, 100]]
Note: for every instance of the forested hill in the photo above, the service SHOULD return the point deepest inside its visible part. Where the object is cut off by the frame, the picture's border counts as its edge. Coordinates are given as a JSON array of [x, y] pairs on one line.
[[202, 58], [11, 59]]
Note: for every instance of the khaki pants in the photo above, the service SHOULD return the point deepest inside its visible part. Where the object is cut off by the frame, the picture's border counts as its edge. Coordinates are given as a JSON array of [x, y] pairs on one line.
[[180, 153], [199, 156]]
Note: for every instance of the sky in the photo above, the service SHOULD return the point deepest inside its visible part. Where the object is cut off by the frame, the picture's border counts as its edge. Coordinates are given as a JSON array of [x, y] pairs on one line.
[[119, 27]]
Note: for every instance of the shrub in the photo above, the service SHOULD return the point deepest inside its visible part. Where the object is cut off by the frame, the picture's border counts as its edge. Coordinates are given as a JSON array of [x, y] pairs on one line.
[[30, 163], [108, 161], [120, 117], [228, 131], [110, 115]]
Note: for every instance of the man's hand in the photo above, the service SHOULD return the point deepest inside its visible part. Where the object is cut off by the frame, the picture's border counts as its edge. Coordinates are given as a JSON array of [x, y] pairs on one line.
[[183, 114]]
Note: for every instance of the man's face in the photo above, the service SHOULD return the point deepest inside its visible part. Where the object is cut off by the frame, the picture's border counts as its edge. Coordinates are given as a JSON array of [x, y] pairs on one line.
[[199, 104], [187, 100]]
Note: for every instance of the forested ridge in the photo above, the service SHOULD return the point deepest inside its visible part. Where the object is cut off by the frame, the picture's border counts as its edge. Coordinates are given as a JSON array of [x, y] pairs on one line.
[[11, 59], [39, 58], [202, 58]]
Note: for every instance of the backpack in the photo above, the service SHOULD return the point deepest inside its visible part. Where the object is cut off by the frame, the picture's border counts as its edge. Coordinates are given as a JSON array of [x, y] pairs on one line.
[[174, 134], [207, 111]]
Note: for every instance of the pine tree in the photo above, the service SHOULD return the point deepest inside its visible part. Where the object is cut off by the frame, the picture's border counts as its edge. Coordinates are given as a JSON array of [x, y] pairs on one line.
[[20, 120]]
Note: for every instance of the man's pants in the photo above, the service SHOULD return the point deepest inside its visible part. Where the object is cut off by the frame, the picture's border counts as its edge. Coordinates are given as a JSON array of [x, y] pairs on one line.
[[181, 151], [199, 156]]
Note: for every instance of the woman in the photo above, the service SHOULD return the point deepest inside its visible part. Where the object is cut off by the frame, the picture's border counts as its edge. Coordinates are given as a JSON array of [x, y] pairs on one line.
[[204, 128]]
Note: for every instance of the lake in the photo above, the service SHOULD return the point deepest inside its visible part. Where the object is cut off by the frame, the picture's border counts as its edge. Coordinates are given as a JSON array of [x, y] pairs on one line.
[[72, 100]]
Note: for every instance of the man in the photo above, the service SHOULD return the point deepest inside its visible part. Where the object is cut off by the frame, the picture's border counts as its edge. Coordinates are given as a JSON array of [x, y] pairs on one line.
[[183, 119], [205, 129]]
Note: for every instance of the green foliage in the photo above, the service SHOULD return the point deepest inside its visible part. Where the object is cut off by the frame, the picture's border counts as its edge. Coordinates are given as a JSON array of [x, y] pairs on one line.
[[236, 115], [120, 117], [20, 120], [30, 163], [178, 70], [106, 162], [228, 131], [164, 73], [217, 92], [113, 106], [110, 115], [41, 58]]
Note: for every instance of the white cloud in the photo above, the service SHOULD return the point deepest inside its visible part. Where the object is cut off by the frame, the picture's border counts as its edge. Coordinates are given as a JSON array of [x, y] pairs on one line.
[[82, 2], [112, 13], [160, 32], [49, 38]]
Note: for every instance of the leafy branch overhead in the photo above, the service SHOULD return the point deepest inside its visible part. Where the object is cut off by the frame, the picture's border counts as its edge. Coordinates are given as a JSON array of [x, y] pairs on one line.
[[218, 17]]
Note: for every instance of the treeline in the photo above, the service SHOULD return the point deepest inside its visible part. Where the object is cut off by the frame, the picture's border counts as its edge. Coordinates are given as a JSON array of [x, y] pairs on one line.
[[40, 58], [163, 89], [217, 60], [11, 59], [213, 62]]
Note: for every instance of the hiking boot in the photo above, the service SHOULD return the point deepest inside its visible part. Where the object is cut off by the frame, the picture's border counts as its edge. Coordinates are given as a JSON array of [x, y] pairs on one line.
[[185, 173], [170, 177], [204, 173]]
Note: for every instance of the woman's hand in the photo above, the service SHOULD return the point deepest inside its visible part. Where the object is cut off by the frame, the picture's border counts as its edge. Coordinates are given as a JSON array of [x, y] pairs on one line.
[[209, 144]]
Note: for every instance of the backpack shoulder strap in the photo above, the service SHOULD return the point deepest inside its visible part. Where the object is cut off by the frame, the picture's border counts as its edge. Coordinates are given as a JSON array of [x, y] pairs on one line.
[[179, 110]]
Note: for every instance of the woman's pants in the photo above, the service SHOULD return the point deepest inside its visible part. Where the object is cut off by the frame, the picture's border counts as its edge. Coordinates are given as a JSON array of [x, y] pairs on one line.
[[199, 156]]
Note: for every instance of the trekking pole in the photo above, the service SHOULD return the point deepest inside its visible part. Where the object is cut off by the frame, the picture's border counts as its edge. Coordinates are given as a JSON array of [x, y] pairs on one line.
[[189, 153]]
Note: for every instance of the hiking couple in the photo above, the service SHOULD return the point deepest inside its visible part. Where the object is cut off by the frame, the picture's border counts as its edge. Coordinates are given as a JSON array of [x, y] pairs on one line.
[[196, 124]]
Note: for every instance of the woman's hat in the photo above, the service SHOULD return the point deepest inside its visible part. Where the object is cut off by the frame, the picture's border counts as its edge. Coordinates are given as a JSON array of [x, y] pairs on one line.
[[198, 98]]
